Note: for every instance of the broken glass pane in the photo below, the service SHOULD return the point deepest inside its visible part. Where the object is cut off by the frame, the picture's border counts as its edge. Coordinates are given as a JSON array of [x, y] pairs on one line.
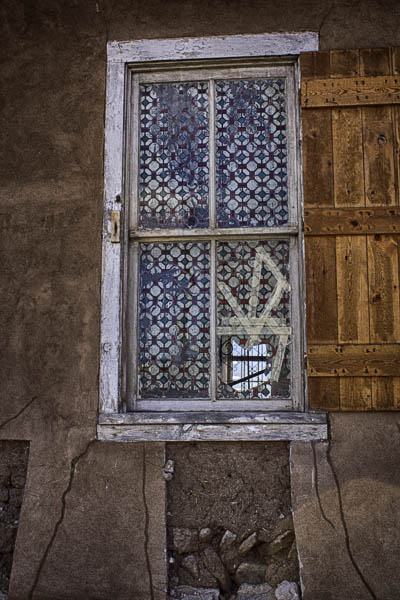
[[253, 319], [174, 155], [174, 320], [251, 153]]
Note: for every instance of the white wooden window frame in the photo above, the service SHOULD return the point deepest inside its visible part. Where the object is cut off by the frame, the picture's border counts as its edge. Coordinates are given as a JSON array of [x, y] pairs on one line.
[[201, 422]]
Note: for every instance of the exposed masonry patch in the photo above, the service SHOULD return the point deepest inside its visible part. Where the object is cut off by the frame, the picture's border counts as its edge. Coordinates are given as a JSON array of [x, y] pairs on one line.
[[13, 468], [230, 529]]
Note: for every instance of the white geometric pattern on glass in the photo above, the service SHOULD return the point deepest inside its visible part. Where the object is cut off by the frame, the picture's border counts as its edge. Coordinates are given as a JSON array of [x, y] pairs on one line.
[[253, 319], [174, 321], [251, 153], [174, 161]]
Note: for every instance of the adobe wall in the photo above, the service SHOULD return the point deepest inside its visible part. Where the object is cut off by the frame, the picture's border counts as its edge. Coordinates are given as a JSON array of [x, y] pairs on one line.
[[93, 517]]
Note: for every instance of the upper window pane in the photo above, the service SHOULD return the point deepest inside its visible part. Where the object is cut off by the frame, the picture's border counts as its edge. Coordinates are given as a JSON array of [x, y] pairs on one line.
[[174, 155], [251, 153]]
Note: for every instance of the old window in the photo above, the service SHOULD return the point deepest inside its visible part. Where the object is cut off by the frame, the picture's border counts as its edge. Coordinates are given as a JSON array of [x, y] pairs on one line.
[[209, 339]]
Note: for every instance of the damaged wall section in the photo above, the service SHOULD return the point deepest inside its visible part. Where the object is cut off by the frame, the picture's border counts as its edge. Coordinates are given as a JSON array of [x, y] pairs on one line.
[[229, 521]]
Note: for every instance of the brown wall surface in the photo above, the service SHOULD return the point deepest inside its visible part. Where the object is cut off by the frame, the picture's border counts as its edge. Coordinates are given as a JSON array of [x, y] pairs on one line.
[[87, 517]]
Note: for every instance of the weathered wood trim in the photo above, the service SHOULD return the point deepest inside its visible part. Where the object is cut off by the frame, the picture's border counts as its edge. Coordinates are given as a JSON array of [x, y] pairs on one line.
[[216, 432], [117, 192], [205, 234], [111, 268], [241, 418], [355, 360], [196, 404], [350, 91], [350, 221], [264, 44]]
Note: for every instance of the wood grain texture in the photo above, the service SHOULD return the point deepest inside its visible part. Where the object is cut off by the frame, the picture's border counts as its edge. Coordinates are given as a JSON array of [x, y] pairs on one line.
[[315, 64], [386, 393], [355, 393], [344, 63], [323, 393], [353, 360], [348, 162], [184, 417], [351, 221], [317, 158], [322, 322], [360, 368], [375, 61], [379, 156], [216, 432], [383, 283], [350, 91], [352, 289]]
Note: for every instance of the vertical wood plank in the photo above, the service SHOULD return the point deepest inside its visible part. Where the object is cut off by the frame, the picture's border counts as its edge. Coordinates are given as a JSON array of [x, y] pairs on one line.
[[386, 393], [322, 322], [315, 64], [317, 158], [396, 135], [352, 289], [379, 144], [396, 125], [348, 166], [379, 150], [324, 393], [383, 278], [317, 138], [345, 63], [395, 61], [375, 61], [355, 393]]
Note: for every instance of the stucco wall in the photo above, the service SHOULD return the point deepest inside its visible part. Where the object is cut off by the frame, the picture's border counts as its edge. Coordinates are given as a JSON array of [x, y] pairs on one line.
[[93, 512]]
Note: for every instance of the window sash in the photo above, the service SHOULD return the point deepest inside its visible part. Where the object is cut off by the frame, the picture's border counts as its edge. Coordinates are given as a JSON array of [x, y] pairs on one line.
[[135, 235], [211, 76], [131, 362]]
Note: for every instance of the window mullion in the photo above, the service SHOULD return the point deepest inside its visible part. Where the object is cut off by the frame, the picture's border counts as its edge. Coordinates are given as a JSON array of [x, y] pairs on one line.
[[135, 119], [132, 338], [213, 290], [212, 154], [213, 321]]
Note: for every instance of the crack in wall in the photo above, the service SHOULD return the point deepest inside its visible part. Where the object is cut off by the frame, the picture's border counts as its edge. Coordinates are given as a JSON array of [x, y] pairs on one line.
[[146, 525], [67, 490], [343, 520], [326, 16], [23, 409], [27, 405], [317, 488]]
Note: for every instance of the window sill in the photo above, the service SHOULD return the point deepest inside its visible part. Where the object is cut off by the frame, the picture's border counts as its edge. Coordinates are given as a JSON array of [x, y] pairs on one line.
[[222, 426]]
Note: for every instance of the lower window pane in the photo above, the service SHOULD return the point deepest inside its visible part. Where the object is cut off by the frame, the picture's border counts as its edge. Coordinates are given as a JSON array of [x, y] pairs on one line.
[[174, 320], [253, 319]]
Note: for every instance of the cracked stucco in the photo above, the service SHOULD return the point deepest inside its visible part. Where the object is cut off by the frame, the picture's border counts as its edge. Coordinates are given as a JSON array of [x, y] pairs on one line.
[[74, 463], [343, 495], [146, 526], [344, 524]]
